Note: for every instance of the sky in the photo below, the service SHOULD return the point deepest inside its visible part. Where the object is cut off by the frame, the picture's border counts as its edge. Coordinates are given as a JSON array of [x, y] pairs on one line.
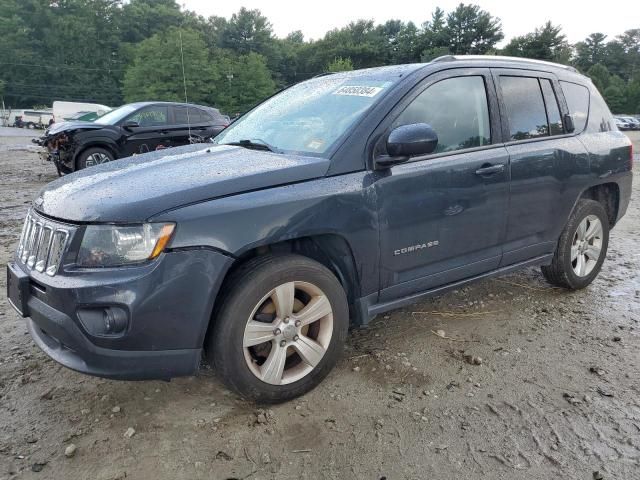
[[578, 18]]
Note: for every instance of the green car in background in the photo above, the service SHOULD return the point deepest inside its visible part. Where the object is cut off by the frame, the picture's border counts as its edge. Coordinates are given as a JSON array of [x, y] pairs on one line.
[[83, 116]]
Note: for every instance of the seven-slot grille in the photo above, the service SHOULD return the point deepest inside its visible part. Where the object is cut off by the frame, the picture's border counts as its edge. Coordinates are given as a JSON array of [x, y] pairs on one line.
[[42, 244]]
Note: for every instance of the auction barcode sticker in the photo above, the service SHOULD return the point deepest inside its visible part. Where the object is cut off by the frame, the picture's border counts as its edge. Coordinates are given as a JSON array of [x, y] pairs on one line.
[[358, 91]]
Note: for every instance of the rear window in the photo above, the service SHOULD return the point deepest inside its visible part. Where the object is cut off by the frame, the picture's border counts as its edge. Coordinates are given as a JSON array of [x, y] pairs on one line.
[[577, 98], [525, 107]]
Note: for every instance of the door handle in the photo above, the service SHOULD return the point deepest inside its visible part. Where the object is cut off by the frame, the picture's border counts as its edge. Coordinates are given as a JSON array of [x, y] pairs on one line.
[[487, 170]]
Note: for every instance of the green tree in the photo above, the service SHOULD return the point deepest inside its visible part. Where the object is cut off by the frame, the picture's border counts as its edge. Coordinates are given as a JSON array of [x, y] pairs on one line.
[[614, 96], [156, 69], [591, 51], [434, 41], [141, 19], [245, 81], [471, 30], [600, 76], [248, 31], [632, 96], [340, 65], [545, 43]]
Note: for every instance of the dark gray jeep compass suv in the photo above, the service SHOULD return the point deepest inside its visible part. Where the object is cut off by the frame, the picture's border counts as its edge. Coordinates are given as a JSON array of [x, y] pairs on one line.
[[333, 201]]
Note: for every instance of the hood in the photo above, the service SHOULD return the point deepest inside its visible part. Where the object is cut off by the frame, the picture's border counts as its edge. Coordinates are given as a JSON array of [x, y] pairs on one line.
[[72, 125], [136, 188]]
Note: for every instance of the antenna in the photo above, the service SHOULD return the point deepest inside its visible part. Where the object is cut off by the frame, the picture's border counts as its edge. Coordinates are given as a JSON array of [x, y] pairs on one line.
[[184, 82]]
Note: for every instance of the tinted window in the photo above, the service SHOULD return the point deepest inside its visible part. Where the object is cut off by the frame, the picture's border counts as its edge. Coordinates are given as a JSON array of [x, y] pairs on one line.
[[196, 115], [151, 116], [206, 117], [456, 109], [577, 98], [182, 116], [525, 107], [553, 110], [600, 119]]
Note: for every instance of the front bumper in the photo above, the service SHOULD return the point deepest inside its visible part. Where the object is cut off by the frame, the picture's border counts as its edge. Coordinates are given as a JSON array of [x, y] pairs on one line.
[[168, 301]]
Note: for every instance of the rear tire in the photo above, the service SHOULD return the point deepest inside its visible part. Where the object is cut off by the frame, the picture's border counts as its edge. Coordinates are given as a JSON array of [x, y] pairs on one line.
[[93, 156], [280, 328], [581, 249]]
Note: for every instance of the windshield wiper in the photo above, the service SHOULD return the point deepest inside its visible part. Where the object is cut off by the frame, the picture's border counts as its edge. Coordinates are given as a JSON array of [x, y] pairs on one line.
[[255, 144]]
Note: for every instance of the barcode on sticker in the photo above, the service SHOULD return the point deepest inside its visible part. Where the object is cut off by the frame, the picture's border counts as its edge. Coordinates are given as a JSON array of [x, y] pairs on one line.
[[358, 91]]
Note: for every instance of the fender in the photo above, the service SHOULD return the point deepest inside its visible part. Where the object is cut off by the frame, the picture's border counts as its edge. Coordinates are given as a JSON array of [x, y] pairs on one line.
[[343, 206]]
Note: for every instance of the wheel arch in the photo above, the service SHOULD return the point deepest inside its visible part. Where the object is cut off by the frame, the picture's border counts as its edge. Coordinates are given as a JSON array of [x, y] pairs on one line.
[[331, 250], [608, 195]]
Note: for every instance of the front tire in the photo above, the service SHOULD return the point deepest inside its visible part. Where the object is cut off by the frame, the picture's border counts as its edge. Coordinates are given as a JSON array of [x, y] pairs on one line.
[[93, 156], [581, 249], [280, 328]]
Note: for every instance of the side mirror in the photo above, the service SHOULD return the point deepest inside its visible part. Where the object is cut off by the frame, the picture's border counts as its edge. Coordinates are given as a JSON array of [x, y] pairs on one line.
[[408, 141], [130, 124], [569, 126]]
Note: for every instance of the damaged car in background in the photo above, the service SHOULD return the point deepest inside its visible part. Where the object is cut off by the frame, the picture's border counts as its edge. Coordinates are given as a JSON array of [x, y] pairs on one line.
[[129, 130]]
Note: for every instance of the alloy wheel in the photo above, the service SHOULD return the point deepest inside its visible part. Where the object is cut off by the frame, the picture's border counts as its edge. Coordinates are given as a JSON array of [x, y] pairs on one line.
[[96, 159], [288, 333], [587, 246]]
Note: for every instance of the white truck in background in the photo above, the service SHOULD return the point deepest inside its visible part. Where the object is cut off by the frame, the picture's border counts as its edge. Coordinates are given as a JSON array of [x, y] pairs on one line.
[[63, 111], [31, 119]]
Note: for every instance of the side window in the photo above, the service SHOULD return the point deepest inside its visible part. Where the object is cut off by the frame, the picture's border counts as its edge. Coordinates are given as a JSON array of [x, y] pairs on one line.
[[600, 119], [553, 110], [155, 115], [457, 109], [195, 115], [577, 98], [206, 117], [180, 115], [525, 108]]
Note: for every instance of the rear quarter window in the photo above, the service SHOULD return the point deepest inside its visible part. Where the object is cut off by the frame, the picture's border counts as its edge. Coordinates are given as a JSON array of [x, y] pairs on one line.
[[577, 97], [600, 118]]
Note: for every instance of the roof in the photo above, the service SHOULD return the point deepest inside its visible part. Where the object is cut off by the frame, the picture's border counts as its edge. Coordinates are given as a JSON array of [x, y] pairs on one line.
[[180, 104], [499, 59], [394, 71]]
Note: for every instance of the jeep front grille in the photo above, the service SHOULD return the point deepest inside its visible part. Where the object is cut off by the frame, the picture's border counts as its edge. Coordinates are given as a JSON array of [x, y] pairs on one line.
[[42, 244]]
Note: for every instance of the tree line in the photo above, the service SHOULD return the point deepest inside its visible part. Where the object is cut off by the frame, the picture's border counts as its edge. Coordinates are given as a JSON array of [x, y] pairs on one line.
[[112, 51]]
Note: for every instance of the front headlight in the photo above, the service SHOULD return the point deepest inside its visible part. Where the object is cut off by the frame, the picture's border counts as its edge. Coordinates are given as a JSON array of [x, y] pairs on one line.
[[114, 245]]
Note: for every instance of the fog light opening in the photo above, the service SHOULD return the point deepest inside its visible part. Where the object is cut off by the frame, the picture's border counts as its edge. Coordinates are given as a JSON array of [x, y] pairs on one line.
[[115, 321]]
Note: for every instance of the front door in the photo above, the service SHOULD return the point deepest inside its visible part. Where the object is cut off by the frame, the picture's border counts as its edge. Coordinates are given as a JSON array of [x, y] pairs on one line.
[[152, 130], [442, 216]]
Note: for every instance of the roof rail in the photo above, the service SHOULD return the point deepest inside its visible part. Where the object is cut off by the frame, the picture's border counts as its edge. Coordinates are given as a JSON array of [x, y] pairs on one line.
[[323, 74], [452, 58]]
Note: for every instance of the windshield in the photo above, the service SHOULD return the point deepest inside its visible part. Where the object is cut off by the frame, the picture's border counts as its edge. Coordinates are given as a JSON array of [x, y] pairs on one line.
[[114, 116], [309, 117]]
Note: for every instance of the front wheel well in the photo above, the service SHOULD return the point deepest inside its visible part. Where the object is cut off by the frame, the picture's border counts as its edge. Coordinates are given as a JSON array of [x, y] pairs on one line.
[[330, 250], [608, 195]]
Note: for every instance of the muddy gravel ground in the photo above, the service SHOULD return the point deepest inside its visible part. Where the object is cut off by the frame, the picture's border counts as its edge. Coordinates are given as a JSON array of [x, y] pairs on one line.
[[555, 392]]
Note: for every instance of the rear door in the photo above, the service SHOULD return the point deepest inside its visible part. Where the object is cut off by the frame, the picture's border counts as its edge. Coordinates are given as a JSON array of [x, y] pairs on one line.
[[442, 216], [547, 164], [187, 121]]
